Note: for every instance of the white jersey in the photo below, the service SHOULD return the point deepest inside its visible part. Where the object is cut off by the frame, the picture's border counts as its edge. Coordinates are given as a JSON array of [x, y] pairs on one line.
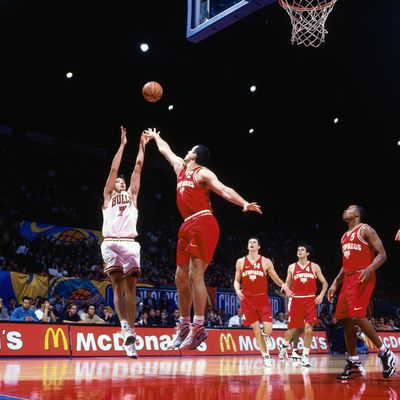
[[120, 217]]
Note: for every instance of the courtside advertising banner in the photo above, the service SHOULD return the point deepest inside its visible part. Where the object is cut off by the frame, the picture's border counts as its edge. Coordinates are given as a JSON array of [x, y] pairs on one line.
[[30, 339]]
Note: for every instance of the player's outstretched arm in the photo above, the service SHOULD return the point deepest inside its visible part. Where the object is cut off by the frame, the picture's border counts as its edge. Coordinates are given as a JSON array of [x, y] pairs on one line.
[[164, 149], [208, 178], [116, 162], [135, 177], [397, 237]]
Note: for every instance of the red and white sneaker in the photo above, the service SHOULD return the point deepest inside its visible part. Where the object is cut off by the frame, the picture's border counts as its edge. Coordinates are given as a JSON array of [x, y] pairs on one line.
[[182, 330], [196, 336]]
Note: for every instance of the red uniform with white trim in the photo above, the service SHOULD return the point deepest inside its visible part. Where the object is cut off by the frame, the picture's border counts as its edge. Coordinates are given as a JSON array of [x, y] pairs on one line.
[[357, 255], [301, 306], [199, 233], [119, 249], [256, 305]]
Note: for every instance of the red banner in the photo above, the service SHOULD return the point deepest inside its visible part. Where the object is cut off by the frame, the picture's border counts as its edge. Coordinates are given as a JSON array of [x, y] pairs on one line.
[[30, 339]]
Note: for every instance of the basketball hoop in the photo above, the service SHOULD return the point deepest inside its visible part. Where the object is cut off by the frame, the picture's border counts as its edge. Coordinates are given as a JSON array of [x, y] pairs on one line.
[[308, 19]]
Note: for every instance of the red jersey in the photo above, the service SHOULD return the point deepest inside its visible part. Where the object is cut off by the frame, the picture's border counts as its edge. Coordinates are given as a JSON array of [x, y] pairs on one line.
[[191, 197], [304, 282], [254, 279], [357, 254]]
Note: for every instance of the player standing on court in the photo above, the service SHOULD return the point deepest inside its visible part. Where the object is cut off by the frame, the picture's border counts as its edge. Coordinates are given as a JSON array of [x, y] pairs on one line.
[[302, 279], [363, 254], [198, 234], [120, 251], [251, 287]]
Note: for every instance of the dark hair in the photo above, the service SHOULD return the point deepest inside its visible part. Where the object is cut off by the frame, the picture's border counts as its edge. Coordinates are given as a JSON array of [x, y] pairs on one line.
[[202, 154], [255, 238], [120, 176], [26, 298], [306, 246], [41, 301], [361, 211]]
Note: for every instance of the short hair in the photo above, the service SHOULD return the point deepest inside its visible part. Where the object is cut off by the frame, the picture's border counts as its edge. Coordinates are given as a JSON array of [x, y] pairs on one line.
[[26, 298], [121, 176], [41, 301], [202, 154], [361, 211], [306, 246], [255, 238]]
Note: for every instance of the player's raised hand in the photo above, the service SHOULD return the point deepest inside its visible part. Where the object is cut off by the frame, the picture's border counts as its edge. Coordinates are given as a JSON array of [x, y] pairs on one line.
[[397, 237], [151, 133], [123, 136], [252, 207]]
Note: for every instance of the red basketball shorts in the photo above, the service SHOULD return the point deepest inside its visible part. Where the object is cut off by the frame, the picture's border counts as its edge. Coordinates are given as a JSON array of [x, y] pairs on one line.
[[256, 308], [302, 310], [354, 296], [197, 238]]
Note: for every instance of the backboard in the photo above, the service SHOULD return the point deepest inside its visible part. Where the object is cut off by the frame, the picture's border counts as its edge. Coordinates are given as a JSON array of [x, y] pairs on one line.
[[206, 17]]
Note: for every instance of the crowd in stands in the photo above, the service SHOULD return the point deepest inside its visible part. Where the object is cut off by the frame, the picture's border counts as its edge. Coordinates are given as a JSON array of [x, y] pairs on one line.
[[50, 184]]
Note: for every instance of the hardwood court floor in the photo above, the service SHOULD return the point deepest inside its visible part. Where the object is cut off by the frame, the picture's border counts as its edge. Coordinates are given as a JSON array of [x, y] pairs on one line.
[[191, 378]]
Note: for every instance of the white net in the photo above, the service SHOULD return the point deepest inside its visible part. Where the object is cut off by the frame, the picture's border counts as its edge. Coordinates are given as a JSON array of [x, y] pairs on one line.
[[308, 20]]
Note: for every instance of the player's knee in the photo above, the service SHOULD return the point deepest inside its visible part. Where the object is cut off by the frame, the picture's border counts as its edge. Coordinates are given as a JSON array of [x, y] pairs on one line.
[[196, 276], [181, 280]]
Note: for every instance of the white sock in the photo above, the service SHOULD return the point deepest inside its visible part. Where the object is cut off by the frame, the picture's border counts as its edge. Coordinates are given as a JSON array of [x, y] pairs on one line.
[[306, 351], [285, 343], [354, 358], [265, 354], [198, 320], [184, 320], [124, 324], [294, 350]]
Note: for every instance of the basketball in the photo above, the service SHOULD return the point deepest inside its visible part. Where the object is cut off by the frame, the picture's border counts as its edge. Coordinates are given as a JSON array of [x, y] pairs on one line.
[[152, 91]]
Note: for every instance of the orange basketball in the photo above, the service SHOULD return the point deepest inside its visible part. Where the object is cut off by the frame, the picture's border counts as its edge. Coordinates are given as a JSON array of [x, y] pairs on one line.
[[152, 91]]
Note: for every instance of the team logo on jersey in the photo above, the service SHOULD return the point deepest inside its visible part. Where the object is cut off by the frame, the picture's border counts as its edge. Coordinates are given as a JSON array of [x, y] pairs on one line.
[[303, 280], [253, 277], [346, 253]]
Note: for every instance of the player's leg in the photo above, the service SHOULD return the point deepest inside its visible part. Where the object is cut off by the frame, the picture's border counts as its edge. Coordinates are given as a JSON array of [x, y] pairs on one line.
[[197, 332], [130, 304], [184, 303], [283, 350], [266, 334], [386, 356], [295, 344], [202, 237], [117, 281], [354, 366], [308, 329], [130, 299], [258, 334]]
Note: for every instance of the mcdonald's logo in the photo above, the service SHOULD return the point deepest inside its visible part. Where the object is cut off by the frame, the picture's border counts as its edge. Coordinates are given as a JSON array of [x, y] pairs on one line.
[[55, 338], [226, 341]]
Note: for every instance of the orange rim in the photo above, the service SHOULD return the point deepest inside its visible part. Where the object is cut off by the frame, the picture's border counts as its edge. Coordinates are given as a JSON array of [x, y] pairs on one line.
[[284, 4]]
